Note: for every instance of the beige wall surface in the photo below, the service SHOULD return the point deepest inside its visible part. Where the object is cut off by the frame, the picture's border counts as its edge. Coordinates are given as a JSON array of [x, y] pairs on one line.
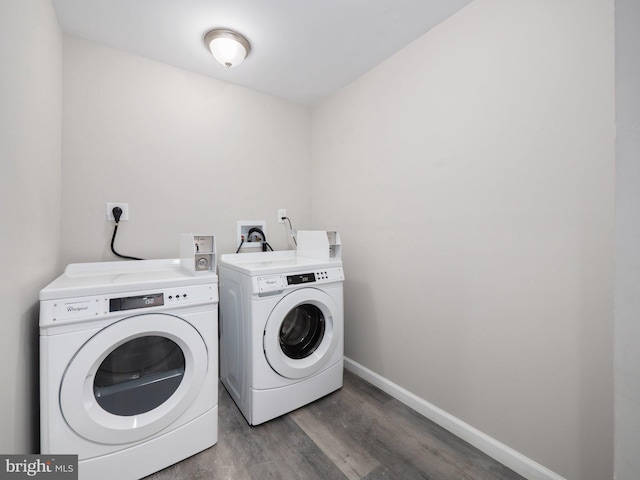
[[627, 329], [30, 130], [471, 177], [189, 154]]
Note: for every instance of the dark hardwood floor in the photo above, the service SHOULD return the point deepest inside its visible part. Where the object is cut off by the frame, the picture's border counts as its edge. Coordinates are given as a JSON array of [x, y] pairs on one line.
[[358, 432]]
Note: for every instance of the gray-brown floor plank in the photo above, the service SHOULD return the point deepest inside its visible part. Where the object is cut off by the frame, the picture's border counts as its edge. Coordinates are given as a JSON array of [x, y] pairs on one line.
[[358, 432]]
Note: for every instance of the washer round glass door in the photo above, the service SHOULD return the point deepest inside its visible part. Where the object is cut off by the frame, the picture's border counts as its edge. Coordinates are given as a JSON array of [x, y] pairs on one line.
[[300, 335], [133, 378], [302, 331]]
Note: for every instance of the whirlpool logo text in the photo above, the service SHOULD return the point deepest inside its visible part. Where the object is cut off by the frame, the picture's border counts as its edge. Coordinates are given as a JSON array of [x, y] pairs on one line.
[[77, 309], [55, 467]]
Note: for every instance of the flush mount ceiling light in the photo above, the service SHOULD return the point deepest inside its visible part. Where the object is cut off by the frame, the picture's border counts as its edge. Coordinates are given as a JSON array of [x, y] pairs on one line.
[[228, 47]]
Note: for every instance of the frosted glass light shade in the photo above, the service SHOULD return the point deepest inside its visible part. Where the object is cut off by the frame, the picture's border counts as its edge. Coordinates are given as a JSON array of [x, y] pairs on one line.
[[228, 47]]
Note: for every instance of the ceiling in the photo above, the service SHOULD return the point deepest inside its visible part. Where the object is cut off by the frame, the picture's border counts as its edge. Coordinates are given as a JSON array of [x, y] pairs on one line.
[[301, 50]]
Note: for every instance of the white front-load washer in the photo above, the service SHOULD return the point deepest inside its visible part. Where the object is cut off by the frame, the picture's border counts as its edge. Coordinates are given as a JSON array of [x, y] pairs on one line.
[[281, 331], [128, 366]]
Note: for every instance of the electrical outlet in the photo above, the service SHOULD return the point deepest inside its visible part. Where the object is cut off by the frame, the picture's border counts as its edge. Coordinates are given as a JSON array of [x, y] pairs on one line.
[[125, 211], [243, 231], [282, 212]]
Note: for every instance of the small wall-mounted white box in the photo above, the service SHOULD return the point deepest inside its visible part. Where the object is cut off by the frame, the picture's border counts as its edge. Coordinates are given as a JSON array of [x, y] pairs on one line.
[[198, 253]]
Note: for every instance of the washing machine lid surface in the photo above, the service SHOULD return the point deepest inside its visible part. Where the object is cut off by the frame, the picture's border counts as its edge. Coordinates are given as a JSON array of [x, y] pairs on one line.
[[80, 279], [261, 263]]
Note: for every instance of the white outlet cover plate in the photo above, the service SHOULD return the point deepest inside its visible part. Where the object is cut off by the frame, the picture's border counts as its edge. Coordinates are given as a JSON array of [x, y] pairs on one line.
[[125, 211]]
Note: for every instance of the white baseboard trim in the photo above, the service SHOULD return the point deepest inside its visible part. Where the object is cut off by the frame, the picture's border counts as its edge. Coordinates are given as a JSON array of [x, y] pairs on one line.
[[502, 453]]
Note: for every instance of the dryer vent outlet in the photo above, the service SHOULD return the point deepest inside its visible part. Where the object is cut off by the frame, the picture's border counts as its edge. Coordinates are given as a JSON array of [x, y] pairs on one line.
[[254, 240]]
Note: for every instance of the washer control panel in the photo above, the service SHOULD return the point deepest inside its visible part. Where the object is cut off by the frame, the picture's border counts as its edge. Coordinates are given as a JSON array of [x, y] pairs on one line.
[[273, 284], [301, 278]]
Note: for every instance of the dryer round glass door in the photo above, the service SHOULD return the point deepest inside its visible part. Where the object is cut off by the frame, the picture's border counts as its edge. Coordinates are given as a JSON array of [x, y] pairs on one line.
[[133, 378], [139, 375], [302, 332]]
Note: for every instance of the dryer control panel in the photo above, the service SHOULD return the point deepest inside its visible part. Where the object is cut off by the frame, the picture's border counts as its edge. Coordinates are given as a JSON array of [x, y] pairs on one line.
[[139, 301], [75, 309]]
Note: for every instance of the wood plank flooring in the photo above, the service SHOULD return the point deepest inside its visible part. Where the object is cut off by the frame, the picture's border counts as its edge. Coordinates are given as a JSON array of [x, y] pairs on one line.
[[358, 432]]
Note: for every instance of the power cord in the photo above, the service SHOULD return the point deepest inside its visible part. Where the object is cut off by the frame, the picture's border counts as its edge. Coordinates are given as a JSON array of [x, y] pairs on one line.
[[117, 213], [240, 246], [291, 232]]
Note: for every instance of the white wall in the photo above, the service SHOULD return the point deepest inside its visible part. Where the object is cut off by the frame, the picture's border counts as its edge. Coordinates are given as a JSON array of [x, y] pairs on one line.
[[30, 129], [627, 358], [471, 177], [186, 152]]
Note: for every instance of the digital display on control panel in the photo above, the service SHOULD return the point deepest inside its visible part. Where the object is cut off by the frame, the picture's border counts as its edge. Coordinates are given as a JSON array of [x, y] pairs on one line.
[[302, 278], [131, 303]]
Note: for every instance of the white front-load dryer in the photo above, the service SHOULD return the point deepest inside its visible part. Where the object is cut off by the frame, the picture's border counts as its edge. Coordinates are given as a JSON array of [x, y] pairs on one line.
[[281, 331], [128, 366]]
